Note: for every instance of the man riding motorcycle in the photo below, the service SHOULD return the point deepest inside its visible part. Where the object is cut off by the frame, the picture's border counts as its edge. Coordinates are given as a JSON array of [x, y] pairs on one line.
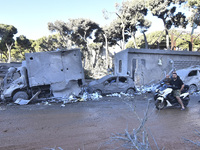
[[178, 86]]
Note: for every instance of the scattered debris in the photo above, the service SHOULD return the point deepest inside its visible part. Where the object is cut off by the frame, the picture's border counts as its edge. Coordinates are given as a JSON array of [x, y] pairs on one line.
[[55, 148], [114, 95], [147, 89], [21, 101], [63, 105], [119, 94]]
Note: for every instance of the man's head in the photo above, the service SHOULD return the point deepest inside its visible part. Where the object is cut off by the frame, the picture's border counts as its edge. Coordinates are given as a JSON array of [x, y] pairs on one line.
[[174, 75]]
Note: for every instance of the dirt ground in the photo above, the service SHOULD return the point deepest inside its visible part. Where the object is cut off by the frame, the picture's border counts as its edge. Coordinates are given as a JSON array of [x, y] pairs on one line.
[[89, 125]]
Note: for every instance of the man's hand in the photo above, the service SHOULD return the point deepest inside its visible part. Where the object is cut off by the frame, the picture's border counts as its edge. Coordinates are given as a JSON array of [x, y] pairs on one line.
[[182, 87]]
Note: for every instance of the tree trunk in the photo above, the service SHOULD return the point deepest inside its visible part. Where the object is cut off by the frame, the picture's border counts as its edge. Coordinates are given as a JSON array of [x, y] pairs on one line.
[[106, 42], [123, 36], [9, 51], [167, 39], [133, 38], [145, 39]]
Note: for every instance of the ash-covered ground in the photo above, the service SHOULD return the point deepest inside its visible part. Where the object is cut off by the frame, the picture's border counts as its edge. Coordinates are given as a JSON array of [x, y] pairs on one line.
[[89, 125]]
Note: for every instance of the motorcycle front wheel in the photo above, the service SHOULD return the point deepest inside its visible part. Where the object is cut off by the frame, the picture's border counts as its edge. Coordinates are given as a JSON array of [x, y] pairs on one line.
[[159, 105]]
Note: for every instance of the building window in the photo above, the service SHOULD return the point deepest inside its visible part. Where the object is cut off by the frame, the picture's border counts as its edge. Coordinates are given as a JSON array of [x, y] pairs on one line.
[[143, 62], [120, 66]]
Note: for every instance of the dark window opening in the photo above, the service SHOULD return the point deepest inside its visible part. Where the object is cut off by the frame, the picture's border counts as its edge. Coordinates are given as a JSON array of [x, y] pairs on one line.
[[80, 82], [120, 66], [31, 58], [112, 80], [123, 79], [192, 73]]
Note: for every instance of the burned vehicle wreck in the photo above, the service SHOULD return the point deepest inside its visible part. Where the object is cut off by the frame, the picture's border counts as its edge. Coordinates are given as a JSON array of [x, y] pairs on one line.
[[45, 74], [112, 84], [191, 77]]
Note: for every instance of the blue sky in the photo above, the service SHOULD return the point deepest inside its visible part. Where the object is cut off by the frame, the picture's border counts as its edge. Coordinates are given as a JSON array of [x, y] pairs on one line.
[[30, 17]]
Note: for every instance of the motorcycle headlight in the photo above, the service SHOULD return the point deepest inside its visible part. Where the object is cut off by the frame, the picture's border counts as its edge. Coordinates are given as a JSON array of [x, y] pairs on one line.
[[162, 92]]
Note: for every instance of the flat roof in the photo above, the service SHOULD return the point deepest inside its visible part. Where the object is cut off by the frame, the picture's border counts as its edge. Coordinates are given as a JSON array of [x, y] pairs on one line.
[[161, 52]]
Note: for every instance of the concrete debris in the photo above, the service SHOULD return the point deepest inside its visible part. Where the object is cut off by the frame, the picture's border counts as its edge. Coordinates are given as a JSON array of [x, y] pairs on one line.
[[46, 103], [94, 96], [63, 105], [114, 95], [21, 101], [147, 89], [119, 94], [85, 97]]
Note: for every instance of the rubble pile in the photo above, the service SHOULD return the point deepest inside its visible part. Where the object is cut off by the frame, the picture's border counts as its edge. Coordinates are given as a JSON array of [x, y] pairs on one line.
[[119, 95], [147, 89]]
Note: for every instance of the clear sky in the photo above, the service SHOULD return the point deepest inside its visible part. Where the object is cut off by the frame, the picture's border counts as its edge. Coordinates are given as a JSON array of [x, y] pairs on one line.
[[30, 17]]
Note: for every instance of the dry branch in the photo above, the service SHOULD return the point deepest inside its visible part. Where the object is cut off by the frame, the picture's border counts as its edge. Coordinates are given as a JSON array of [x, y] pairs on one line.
[[138, 139]]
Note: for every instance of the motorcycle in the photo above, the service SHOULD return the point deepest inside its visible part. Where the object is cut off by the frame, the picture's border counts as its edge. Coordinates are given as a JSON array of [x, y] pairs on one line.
[[164, 97]]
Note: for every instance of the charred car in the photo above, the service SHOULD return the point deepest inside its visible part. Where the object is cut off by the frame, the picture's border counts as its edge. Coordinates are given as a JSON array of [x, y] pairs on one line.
[[191, 77], [112, 84]]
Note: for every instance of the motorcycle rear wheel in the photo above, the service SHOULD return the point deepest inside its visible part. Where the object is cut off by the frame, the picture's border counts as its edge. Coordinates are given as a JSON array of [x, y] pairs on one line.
[[160, 105]]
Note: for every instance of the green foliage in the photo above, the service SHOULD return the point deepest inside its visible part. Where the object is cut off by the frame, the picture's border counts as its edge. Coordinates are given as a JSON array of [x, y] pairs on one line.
[[96, 46], [157, 39], [132, 17], [76, 32], [130, 44], [63, 30], [7, 33], [133, 12], [166, 10], [194, 5], [50, 43], [82, 30]]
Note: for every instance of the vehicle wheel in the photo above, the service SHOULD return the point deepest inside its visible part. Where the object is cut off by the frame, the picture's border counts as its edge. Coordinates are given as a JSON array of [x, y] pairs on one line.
[[185, 102], [159, 105], [192, 89], [99, 92], [130, 91], [20, 94]]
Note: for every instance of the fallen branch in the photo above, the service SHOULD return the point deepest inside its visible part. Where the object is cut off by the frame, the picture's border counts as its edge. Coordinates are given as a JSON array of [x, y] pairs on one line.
[[138, 139], [193, 142]]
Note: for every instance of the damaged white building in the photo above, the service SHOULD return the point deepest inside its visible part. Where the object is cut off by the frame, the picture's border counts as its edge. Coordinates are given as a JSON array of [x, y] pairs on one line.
[[148, 66]]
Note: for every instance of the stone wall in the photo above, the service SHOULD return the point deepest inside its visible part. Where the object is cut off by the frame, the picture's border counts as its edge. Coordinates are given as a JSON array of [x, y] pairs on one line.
[[185, 64]]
